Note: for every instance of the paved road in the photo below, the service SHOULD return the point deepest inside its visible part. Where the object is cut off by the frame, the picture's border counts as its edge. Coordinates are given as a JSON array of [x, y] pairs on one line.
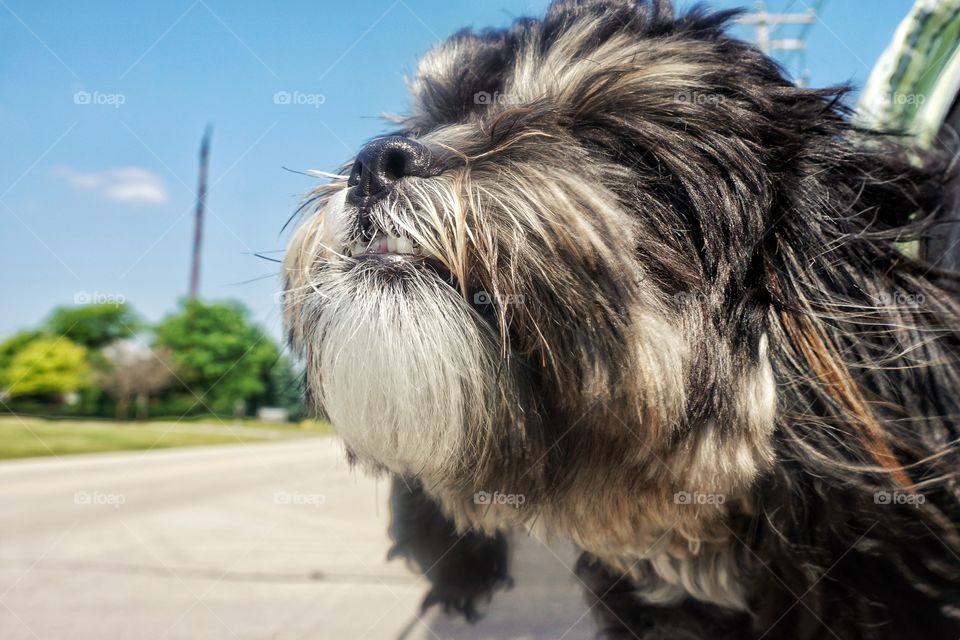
[[278, 540]]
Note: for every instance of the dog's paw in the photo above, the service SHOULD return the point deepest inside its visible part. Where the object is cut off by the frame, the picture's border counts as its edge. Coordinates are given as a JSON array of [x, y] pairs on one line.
[[622, 615], [469, 600], [464, 570], [464, 578]]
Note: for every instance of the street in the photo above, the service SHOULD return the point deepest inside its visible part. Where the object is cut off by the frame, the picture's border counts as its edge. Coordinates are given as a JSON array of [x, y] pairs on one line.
[[279, 540]]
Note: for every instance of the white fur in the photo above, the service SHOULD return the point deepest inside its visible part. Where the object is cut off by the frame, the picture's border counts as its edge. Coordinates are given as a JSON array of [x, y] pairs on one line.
[[406, 370]]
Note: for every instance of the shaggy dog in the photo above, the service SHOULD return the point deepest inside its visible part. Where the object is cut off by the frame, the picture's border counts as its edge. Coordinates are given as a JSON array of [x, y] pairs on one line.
[[616, 279]]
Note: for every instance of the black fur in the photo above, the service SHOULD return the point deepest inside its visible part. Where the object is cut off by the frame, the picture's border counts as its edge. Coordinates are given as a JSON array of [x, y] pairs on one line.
[[464, 569]]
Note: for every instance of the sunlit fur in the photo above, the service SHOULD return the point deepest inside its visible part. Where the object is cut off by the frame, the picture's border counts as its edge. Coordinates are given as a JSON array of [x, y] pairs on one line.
[[663, 269]]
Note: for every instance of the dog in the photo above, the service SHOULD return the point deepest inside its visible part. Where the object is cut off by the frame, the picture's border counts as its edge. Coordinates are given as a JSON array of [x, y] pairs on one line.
[[616, 279]]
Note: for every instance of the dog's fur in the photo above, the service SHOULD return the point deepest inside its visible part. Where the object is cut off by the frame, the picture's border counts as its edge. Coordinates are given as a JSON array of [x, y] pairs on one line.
[[665, 315]]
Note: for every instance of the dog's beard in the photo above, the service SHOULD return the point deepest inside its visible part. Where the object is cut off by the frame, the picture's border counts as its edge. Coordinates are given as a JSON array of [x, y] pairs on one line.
[[409, 369]]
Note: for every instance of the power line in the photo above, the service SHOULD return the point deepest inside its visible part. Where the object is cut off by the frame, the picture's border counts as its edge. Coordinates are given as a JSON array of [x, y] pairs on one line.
[[766, 25]]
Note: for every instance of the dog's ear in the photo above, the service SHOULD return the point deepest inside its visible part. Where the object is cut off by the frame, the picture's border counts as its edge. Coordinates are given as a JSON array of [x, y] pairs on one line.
[[847, 293]]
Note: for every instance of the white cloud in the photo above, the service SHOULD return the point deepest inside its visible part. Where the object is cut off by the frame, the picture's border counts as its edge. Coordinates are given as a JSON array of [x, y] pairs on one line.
[[127, 185]]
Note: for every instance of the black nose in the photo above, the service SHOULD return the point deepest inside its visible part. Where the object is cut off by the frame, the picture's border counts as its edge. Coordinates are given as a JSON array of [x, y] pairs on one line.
[[381, 164]]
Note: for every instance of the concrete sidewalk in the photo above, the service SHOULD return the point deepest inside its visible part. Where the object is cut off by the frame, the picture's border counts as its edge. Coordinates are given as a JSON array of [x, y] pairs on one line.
[[278, 540]]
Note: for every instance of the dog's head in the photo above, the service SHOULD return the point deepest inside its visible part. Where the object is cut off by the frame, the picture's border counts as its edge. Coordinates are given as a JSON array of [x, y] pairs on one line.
[[556, 271]]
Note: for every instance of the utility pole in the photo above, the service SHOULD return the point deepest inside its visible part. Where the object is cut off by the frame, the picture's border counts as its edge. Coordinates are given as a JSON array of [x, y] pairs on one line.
[[766, 25], [198, 219]]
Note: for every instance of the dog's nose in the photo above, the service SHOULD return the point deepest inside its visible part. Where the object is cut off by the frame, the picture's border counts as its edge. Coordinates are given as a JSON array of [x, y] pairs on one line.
[[381, 164]]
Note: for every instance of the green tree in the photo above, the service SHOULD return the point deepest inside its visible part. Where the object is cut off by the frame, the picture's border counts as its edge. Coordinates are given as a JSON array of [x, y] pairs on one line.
[[9, 348], [50, 367], [220, 355], [94, 325]]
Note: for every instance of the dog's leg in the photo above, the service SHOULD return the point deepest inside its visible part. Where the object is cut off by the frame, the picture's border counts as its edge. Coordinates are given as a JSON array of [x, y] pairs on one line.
[[622, 615], [463, 569]]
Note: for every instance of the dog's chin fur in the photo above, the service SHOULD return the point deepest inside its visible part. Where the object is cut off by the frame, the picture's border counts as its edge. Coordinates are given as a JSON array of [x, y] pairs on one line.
[[409, 373], [659, 270]]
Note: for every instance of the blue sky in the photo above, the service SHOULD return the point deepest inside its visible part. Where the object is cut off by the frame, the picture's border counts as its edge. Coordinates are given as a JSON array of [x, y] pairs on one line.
[[102, 105]]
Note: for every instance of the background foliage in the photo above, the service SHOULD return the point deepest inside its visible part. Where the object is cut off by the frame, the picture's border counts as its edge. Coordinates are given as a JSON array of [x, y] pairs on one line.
[[98, 359]]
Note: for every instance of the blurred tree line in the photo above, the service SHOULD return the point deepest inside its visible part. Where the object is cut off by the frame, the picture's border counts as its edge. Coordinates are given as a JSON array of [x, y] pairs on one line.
[[103, 360]]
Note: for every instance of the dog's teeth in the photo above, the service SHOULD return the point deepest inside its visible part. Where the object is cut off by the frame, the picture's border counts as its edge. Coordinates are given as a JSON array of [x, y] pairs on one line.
[[383, 243]]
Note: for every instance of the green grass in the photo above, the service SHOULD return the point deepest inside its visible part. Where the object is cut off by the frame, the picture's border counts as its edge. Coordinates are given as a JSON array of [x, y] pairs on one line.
[[311, 426], [28, 437]]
